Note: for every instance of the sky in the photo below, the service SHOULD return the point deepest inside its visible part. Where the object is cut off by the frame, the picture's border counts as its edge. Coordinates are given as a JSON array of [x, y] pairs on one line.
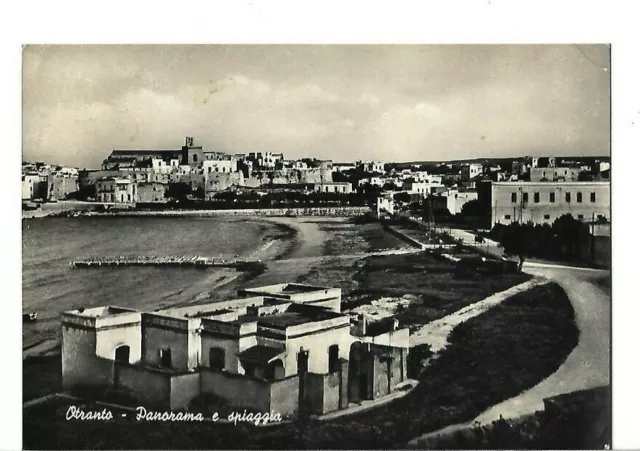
[[344, 103]]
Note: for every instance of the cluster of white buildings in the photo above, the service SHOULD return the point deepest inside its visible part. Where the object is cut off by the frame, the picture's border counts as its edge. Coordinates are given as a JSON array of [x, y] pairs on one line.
[[539, 189], [48, 183], [144, 176]]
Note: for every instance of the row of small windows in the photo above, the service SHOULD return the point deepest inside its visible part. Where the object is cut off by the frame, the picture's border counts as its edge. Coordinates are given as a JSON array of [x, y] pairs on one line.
[[552, 197]]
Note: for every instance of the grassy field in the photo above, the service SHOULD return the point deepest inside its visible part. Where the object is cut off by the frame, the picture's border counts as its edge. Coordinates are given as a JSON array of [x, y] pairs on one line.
[[436, 286], [491, 357]]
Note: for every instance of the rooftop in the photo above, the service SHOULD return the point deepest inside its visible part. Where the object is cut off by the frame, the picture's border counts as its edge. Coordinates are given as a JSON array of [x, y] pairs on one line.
[[285, 288], [298, 314], [100, 312], [261, 354]]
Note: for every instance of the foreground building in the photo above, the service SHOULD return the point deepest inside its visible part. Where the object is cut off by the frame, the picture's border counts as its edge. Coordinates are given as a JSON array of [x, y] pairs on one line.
[[284, 348], [544, 202]]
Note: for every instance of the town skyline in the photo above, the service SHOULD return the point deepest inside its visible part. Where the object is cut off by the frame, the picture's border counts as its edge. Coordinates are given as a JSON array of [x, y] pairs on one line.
[[404, 103]]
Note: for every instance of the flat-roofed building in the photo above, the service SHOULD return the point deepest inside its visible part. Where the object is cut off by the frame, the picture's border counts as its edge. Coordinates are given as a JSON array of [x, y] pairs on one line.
[[282, 348], [563, 174], [544, 202], [333, 187]]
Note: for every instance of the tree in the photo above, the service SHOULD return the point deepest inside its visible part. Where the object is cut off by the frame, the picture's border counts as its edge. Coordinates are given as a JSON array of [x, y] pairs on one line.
[[178, 191], [517, 240], [567, 231], [473, 208]]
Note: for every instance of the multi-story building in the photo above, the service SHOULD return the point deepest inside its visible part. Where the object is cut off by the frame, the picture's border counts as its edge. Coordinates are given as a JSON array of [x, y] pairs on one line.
[[265, 159], [220, 165], [151, 192], [60, 185], [385, 205], [372, 166], [31, 186], [555, 174], [285, 348], [116, 190], [162, 160], [544, 202], [470, 171]]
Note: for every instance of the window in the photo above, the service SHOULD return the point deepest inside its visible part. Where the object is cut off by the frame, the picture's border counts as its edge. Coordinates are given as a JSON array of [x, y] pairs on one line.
[[536, 197], [579, 197], [303, 361], [334, 358], [567, 197], [507, 216], [195, 158], [552, 197], [547, 217], [525, 197], [216, 358], [165, 358], [593, 197], [514, 197], [122, 354]]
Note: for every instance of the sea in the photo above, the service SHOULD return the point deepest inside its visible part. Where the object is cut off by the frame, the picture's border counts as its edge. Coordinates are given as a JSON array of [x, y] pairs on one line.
[[51, 286]]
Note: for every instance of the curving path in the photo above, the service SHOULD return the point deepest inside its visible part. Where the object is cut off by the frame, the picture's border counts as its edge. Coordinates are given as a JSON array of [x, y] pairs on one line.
[[587, 366]]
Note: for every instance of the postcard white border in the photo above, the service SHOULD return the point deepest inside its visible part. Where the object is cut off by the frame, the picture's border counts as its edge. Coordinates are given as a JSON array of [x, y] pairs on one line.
[[330, 21]]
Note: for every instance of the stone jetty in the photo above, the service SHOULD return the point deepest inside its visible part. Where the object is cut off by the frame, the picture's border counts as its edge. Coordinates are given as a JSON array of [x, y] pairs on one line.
[[195, 261]]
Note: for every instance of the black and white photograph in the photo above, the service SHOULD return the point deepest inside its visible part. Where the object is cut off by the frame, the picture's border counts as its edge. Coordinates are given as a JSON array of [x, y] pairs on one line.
[[317, 246]]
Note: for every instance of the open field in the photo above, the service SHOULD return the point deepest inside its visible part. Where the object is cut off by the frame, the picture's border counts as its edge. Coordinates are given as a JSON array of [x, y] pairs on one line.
[[433, 285]]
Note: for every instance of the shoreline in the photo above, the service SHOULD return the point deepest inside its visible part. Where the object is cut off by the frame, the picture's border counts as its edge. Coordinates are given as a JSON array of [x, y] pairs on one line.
[[66, 209]]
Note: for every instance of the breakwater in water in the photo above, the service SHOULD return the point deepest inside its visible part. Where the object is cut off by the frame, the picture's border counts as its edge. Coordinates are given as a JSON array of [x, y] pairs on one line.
[[196, 261]]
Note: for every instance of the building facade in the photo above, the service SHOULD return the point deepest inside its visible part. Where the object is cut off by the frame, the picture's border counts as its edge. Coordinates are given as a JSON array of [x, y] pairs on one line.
[[333, 187], [452, 200], [544, 202], [59, 186], [116, 190], [555, 174], [151, 192], [285, 348], [470, 171]]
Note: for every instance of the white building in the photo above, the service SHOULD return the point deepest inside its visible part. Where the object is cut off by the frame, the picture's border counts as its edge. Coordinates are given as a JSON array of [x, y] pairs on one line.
[[544, 202], [343, 167], [333, 187], [385, 205], [224, 166], [453, 200], [374, 181], [372, 166], [30, 186], [469, 171], [555, 174], [422, 188], [116, 190]]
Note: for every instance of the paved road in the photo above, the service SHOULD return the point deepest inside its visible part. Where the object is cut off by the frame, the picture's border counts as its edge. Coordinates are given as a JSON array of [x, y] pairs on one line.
[[587, 366]]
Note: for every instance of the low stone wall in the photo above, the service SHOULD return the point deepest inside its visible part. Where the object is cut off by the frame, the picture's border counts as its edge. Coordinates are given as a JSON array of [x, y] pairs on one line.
[[404, 237], [290, 212]]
